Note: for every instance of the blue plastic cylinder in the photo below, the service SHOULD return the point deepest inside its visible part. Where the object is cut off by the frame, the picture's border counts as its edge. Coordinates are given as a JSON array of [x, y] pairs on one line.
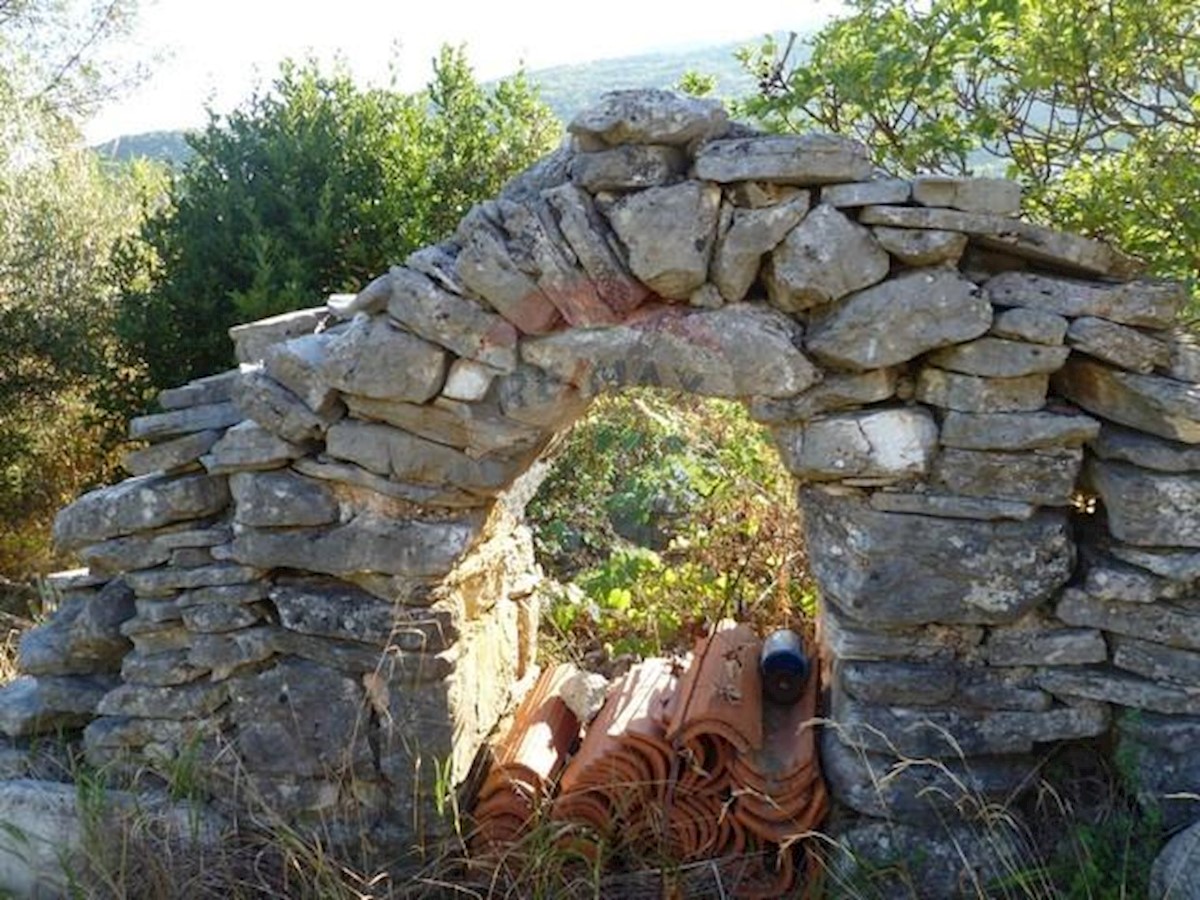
[[784, 667]]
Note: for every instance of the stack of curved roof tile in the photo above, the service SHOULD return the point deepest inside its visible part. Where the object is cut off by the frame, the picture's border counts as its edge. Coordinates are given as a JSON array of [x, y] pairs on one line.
[[684, 762]]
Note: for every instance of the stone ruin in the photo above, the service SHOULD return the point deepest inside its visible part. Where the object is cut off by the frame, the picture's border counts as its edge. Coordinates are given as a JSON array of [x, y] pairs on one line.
[[317, 579]]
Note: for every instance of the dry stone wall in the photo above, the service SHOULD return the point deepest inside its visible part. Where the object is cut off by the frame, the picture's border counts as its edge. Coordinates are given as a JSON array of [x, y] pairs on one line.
[[318, 577]]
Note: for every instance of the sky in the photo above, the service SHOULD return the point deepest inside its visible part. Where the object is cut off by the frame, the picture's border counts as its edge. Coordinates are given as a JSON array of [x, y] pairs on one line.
[[216, 51]]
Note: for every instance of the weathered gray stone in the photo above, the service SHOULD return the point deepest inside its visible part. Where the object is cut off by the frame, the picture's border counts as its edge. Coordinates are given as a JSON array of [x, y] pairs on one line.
[[371, 300], [1108, 579], [249, 446], [223, 654], [534, 398], [893, 570], [415, 669], [250, 341], [550, 171], [1022, 239], [161, 426], [924, 733], [1042, 477], [951, 506], [190, 701], [1176, 871], [1148, 508], [1119, 345], [1016, 431], [1040, 642], [217, 618], [1000, 358], [880, 785], [970, 393], [1156, 662], [1161, 623], [1183, 358], [201, 392], [405, 457], [978, 195], [1108, 685], [299, 718], [1162, 750], [138, 504], [744, 236], [832, 393], [1140, 303], [1177, 565], [74, 580], [1145, 451], [803, 159], [281, 498], [166, 581], [757, 194], [649, 117], [181, 537], [716, 353], [158, 609], [192, 557], [250, 592], [372, 358], [823, 259], [485, 266], [163, 669], [848, 640], [921, 248], [468, 380], [172, 454], [1031, 325], [628, 166], [670, 233], [594, 245], [149, 637], [278, 410], [437, 262], [367, 543], [299, 364], [867, 193], [1160, 406], [481, 429], [900, 319], [344, 612], [137, 551], [31, 706], [924, 684], [344, 473], [886, 444]]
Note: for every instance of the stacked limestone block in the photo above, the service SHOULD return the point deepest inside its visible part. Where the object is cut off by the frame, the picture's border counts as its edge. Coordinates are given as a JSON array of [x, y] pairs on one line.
[[324, 547]]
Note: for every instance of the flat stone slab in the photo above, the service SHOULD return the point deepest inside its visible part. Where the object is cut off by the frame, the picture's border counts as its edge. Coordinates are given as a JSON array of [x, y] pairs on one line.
[[1168, 665], [980, 195], [971, 393], [250, 341], [1118, 345], [890, 444], [161, 426], [804, 160], [1175, 564], [1041, 477], [900, 319], [649, 117], [1107, 685], [994, 357], [1160, 623], [833, 392], [1146, 304], [171, 454], [1016, 431], [889, 569], [1145, 451], [940, 683], [717, 353], [628, 167], [1042, 643], [1148, 508], [248, 445], [850, 640], [867, 193], [1160, 406], [921, 248], [203, 391], [951, 506], [1176, 871], [744, 235], [281, 499], [278, 410], [1023, 239], [138, 504]]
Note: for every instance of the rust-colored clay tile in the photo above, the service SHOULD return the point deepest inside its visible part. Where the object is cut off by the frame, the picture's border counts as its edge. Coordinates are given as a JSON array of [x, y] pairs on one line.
[[721, 692]]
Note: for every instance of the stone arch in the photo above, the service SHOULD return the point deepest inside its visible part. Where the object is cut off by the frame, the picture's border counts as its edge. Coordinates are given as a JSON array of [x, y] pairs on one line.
[[319, 561]]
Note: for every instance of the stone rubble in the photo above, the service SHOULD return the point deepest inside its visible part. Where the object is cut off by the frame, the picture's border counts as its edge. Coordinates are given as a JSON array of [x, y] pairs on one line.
[[319, 563]]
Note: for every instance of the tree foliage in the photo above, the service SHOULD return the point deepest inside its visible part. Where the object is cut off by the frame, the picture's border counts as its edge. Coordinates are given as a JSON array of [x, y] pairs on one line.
[[1093, 104], [316, 186], [61, 215]]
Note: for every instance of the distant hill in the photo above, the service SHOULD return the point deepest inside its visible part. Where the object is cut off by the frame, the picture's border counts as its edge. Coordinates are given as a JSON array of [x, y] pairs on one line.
[[565, 89]]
